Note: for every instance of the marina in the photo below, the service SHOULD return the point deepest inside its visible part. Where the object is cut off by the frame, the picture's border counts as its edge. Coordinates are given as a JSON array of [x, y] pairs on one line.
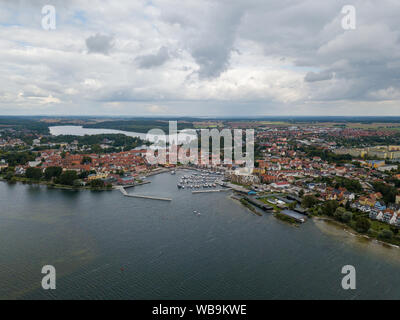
[[200, 180]]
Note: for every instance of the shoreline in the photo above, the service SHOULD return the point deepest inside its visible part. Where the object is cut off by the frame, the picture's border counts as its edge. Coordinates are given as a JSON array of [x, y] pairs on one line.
[[327, 219], [353, 232], [342, 225], [67, 187], [55, 186]]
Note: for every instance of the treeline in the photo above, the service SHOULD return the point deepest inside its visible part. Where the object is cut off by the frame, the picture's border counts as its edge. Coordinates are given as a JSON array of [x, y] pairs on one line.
[[331, 208], [24, 124], [325, 155], [139, 125], [17, 158], [118, 141], [337, 182], [388, 192], [56, 175], [367, 140]]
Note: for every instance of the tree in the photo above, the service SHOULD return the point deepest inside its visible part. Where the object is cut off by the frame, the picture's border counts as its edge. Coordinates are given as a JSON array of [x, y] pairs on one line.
[[15, 158], [388, 192], [363, 224], [339, 212], [33, 173], [9, 175], [292, 205], [68, 177], [83, 175], [385, 234], [77, 183], [96, 148], [97, 184], [329, 207], [342, 214], [52, 172], [309, 201], [301, 193], [346, 216]]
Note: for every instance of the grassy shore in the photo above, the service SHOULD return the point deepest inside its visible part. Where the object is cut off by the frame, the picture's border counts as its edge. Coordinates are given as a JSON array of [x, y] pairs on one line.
[[372, 234], [52, 185], [285, 218], [249, 206]]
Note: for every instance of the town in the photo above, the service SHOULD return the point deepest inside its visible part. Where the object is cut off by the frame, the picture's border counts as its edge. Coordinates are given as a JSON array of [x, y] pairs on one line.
[[348, 175]]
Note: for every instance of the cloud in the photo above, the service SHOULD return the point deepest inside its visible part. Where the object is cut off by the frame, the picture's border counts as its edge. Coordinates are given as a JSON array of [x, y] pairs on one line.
[[217, 57], [321, 76], [210, 34], [390, 93], [100, 43], [153, 60]]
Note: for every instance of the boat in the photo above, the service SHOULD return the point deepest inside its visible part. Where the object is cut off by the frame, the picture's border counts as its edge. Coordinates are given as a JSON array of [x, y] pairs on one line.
[[173, 172]]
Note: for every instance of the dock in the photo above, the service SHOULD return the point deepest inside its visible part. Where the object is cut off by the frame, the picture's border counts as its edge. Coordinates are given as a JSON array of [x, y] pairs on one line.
[[215, 190], [298, 217], [237, 188], [126, 194], [147, 197], [122, 189], [258, 203]]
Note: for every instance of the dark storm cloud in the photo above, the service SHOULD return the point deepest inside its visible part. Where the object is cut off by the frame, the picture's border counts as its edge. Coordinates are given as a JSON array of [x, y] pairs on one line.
[[100, 43], [153, 60], [210, 35], [321, 76]]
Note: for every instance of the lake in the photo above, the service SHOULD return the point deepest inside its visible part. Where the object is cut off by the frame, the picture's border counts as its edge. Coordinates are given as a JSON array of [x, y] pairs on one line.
[[81, 131], [106, 246]]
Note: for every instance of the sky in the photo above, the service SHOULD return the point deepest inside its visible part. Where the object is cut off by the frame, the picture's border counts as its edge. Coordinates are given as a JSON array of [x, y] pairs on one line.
[[200, 58]]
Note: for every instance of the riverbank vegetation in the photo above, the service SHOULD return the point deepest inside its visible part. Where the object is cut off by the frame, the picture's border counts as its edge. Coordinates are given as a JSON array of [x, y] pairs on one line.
[[14, 158], [249, 206], [139, 125], [96, 142], [357, 221], [55, 177], [285, 218]]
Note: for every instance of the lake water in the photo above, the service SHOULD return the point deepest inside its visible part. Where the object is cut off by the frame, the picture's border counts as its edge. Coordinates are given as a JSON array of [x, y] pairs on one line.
[[106, 246], [81, 131]]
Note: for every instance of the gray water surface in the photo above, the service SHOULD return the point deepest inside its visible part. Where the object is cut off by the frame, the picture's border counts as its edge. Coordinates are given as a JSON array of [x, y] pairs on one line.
[[106, 246]]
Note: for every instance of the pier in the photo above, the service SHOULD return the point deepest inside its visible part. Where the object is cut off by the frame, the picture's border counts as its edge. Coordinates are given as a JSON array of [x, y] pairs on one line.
[[207, 191], [126, 194], [147, 197]]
